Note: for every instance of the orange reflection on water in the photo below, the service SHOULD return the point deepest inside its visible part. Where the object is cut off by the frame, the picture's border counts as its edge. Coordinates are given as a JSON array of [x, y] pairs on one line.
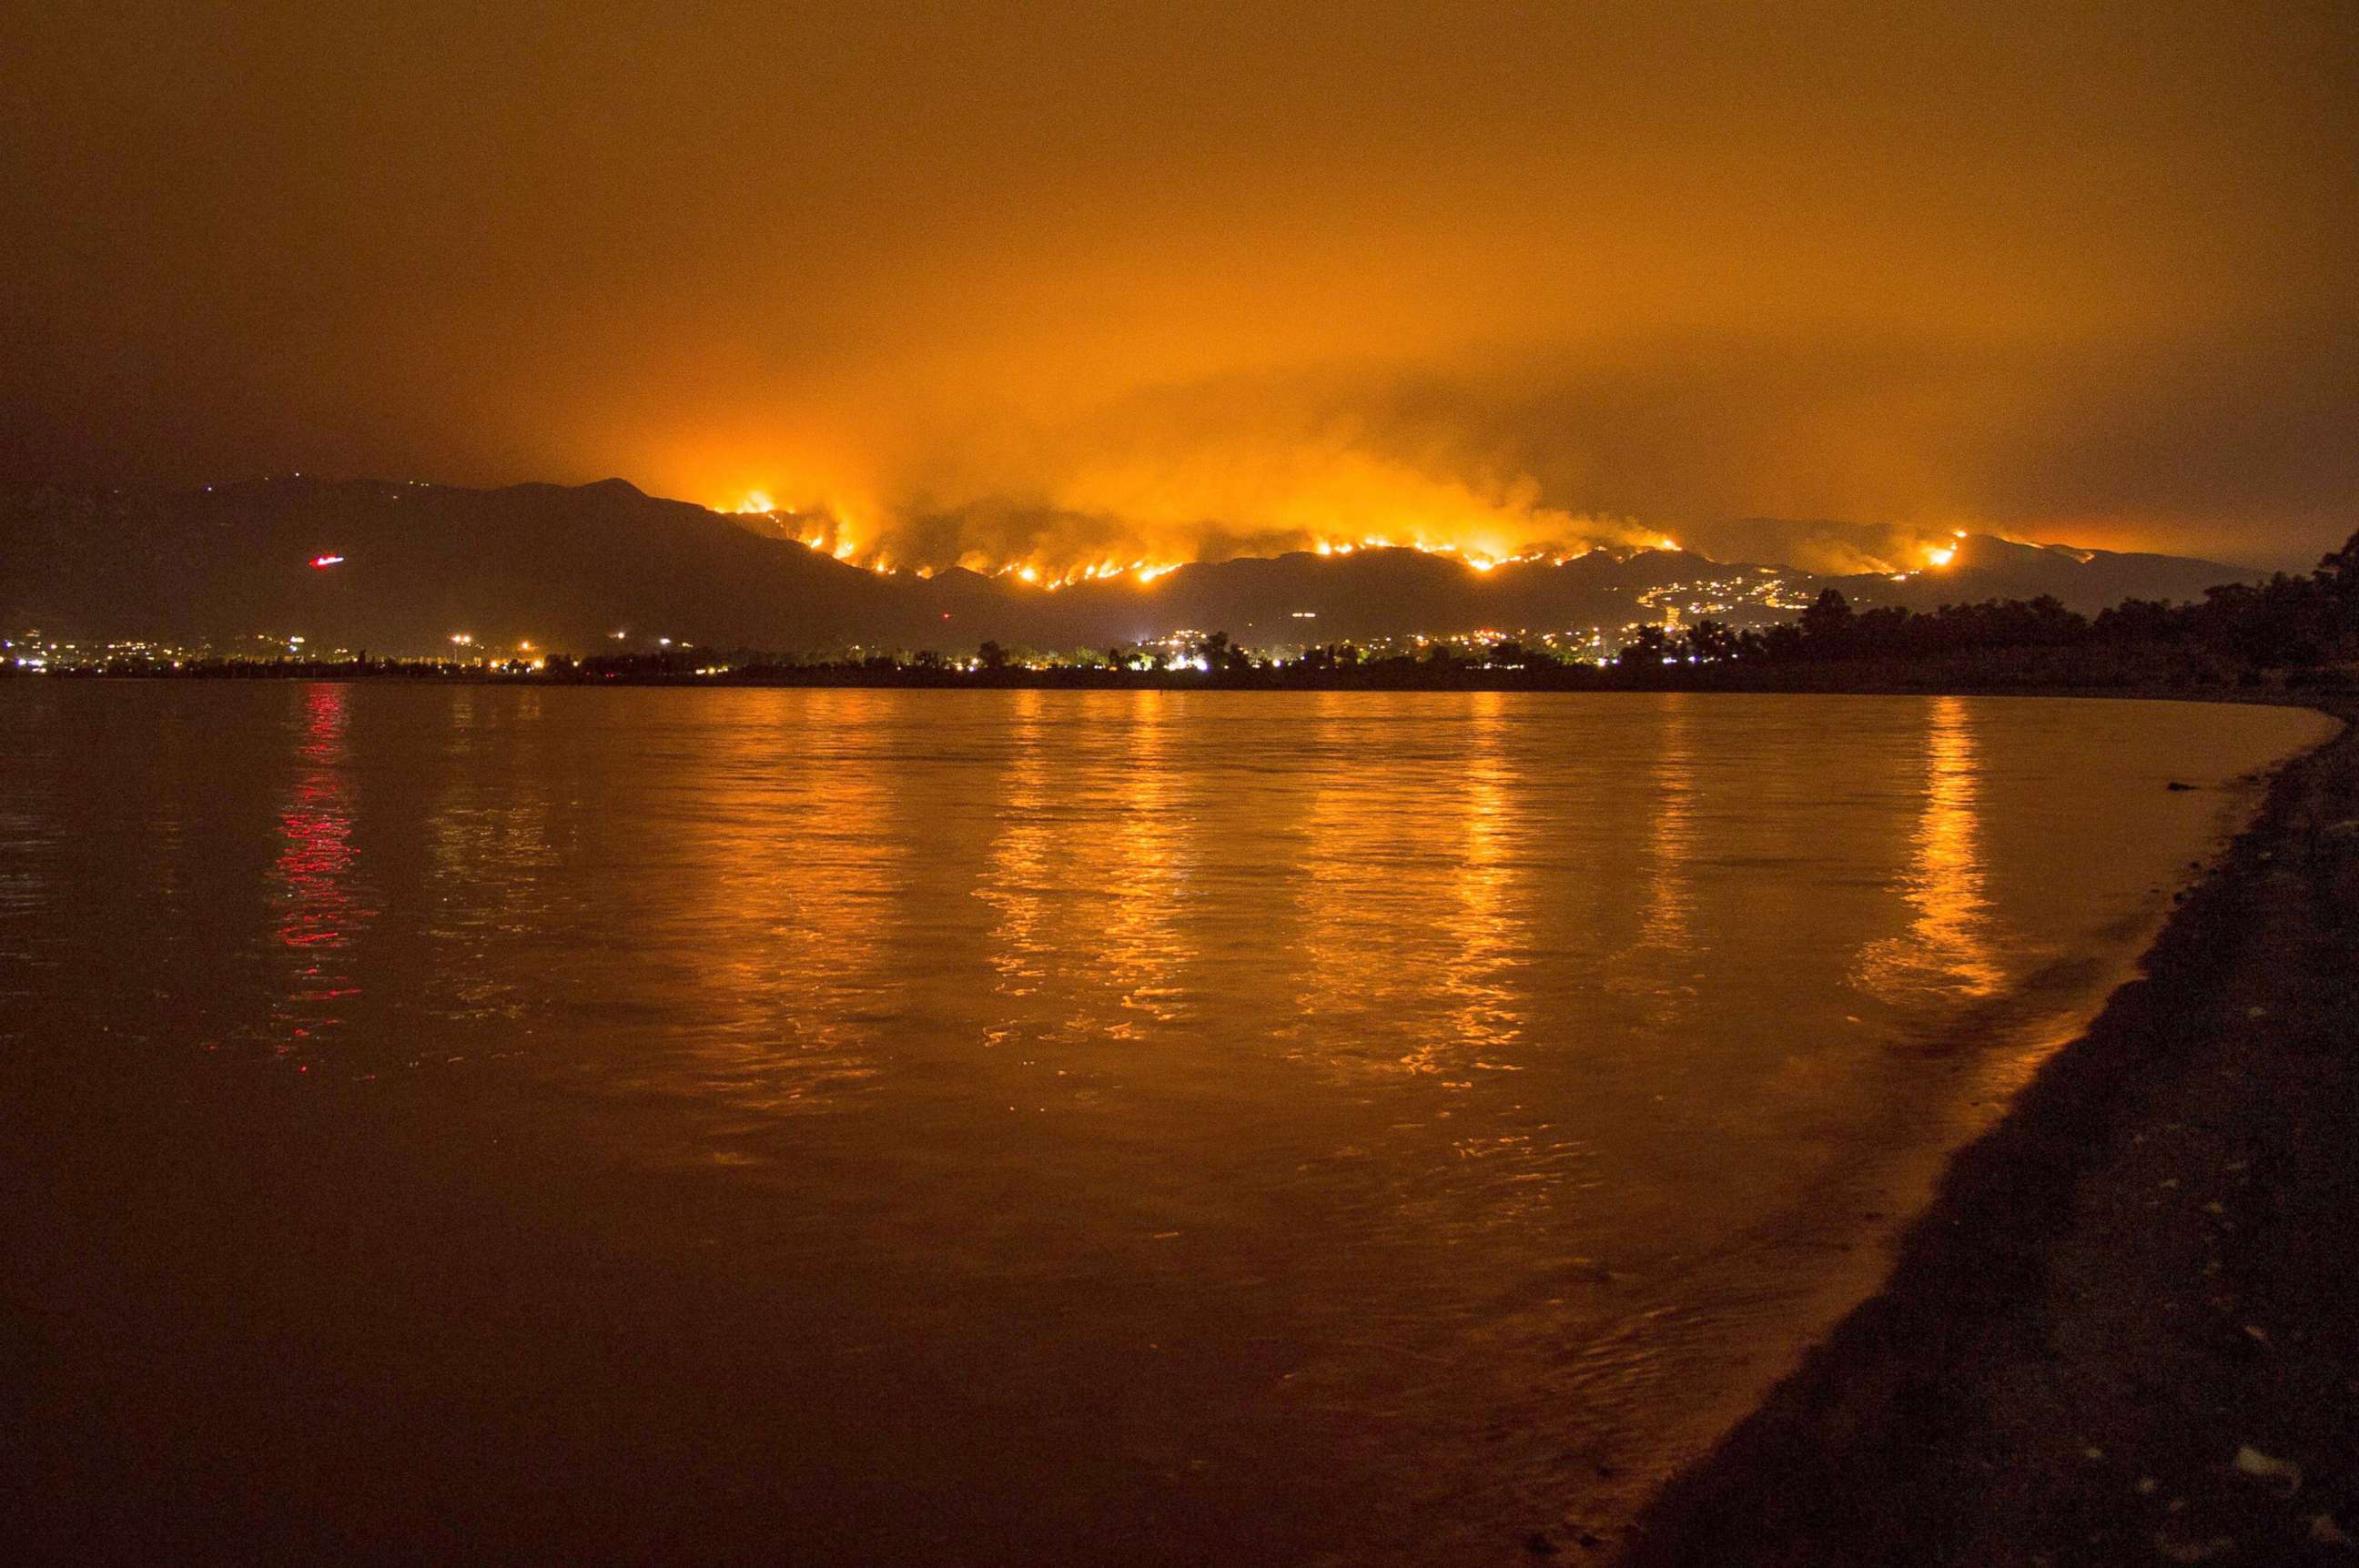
[[1146, 867], [1485, 1012], [489, 853], [1410, 924], [1664, 917], [1660, 966], [1350, 928], [1949, 946], [784, 832], [1015, 880], [1088, 871]]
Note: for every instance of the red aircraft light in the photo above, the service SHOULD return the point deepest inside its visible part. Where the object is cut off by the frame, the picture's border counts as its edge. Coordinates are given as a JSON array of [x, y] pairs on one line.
[[326, 559]]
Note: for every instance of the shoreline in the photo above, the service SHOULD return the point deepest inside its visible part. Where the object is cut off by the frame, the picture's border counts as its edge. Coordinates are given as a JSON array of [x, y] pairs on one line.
[[2331, 692], [1887, 1456], [2147, 1269]]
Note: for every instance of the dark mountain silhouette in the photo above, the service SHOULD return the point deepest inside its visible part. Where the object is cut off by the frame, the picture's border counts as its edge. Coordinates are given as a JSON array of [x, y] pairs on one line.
[[570, 567], [564, 566], [2085, 580]]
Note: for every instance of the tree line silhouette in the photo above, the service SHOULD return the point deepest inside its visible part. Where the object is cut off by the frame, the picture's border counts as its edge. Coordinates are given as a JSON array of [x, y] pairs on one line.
[[2304, 625], [2299, 629]]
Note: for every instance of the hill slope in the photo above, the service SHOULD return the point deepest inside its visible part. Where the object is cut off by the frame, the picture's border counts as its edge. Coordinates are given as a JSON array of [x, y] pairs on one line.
[[572, 567]]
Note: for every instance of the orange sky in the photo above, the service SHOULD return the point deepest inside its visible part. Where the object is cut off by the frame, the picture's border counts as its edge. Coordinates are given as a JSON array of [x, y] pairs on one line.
[[1154, 276]]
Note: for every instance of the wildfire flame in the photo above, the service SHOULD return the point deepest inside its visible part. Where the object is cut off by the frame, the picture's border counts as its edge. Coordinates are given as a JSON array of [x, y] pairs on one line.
[[1035, 573], [1137, 520], [1483, 529]]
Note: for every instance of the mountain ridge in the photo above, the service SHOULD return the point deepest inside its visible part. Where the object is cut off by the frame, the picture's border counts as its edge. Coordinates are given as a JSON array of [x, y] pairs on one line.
[[572, 566]]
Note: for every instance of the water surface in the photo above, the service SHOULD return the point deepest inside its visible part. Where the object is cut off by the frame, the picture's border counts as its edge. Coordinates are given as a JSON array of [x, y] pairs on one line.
[[859, 1126]]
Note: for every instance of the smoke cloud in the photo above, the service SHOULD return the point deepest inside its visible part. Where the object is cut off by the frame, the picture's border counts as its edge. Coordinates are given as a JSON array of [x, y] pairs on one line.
[[1074, 284]]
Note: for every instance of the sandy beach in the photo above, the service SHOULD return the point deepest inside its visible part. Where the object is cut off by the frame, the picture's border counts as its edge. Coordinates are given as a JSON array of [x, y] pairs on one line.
[[2127, 1330]]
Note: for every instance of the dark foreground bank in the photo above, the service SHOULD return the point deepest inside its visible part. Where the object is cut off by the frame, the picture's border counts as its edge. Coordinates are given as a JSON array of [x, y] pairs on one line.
[[2127, 1330]]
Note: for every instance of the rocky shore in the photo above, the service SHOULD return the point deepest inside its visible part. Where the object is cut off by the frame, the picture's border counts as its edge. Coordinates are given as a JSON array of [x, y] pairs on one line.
[[2127, 1330]]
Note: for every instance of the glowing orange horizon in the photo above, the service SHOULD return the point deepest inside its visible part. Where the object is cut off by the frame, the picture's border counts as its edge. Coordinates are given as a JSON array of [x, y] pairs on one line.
[[1483, 538]]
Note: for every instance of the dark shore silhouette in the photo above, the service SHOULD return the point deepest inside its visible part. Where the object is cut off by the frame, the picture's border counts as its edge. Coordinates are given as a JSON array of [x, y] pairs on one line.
[[2293, 633], [2127, 1330]]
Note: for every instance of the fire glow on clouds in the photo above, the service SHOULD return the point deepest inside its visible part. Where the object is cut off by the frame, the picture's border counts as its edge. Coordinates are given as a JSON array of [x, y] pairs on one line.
[[1137, 535], [1063, 286]]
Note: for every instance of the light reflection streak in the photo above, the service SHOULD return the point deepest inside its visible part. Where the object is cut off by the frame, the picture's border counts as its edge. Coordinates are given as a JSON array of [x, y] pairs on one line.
[[1662, 963], [1014, 882], [1350, 924], [1948, 948], [1148, 871], [1410, 922], [1485, 1005], [786, 838], [31, 841], [489, 853], [1665, 916], [317, 910], [1088, 874]]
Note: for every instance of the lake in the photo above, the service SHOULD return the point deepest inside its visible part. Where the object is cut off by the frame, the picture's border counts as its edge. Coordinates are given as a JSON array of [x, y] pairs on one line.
[[859, 1126]]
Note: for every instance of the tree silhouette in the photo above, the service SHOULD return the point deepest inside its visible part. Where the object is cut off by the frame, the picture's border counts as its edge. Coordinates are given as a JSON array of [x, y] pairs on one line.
[[1649, 649], [1828, 621]]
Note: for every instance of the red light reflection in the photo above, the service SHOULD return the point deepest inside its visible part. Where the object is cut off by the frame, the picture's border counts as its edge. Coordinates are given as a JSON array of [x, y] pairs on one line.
[[319, 910]]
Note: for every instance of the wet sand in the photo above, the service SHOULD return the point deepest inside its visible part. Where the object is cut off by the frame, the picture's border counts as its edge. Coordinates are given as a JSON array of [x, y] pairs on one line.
[[2127, 1330]]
